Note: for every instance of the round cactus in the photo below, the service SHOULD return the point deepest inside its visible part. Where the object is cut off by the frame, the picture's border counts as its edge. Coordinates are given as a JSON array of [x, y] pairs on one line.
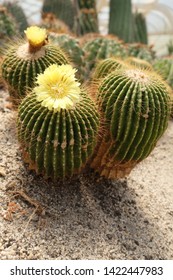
[[53, 24], [57, 124], [25, 60], [102, 47], [106, 66], [135, 105], [71, 46]]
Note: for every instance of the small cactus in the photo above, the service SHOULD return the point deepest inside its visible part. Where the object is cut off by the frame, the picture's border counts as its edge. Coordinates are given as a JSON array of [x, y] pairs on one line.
[[57, 124], [8, 26], [141, 51], [24, 61], [135, 105], [71, 46], [141, 63]]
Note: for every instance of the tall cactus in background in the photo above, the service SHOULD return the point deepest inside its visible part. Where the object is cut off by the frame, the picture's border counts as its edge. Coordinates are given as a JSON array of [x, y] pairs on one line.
[[121, 22], [140, 28], [86, 17], [18, 14], [63, 9]]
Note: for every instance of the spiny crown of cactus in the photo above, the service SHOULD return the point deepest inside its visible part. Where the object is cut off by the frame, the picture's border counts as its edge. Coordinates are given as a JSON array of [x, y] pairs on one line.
[[71, 45], [135, 105], [57, 124], [141, 63], [22, 62]]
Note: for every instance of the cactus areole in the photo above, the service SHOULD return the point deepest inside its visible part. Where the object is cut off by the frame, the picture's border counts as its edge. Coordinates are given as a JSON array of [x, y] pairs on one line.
[[135, 105], [57, 124], [25, 60]]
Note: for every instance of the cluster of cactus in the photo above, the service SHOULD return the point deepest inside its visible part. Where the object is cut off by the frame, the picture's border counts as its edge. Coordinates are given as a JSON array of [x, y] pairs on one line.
[[22, 62], [61, 128], [63, 10], [71, 46], [86, 18]]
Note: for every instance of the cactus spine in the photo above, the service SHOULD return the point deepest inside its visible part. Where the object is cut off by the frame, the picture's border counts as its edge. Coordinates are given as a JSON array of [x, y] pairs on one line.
[[57, 124], [23, 62], [135, 105]]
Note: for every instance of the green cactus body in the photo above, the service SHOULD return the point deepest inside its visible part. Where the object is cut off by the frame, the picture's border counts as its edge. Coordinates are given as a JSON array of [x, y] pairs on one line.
[[63, 10], [22, 63], [141, 35], [121, 20], [135, 105], [106, 66], [57, 141], [141, 51], [72, 47], [8, 26], [99, 48], [87, 20], [18, 14]]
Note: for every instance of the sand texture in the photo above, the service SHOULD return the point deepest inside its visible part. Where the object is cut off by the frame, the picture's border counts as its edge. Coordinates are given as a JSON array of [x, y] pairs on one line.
[[87, 217]]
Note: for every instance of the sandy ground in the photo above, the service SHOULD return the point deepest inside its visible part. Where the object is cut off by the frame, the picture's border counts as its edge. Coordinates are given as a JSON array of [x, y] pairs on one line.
[[88, 217]]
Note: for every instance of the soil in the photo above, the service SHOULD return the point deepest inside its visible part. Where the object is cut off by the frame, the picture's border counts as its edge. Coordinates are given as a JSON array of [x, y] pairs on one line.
[[87, 217]]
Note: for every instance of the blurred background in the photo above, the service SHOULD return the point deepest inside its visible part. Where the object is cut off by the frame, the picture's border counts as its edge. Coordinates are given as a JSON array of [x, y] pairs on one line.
[[158, 15]]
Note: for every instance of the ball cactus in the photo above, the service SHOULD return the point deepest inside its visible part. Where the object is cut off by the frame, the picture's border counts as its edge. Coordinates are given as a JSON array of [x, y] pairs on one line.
[[135, 105], [141, 51], [141, 63], [102, 47], [57, 124], [25, 60], [8, 26]]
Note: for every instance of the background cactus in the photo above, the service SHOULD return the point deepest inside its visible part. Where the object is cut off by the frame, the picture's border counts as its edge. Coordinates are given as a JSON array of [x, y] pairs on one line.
[[121, 21], [18, 14], [53, 24], [102, 47], [8, 26], [136, 107], [141, 51], [86, 17], [140, 28], [24, 61], [63, 10], [141, 63], [71, 45], [57, 124]]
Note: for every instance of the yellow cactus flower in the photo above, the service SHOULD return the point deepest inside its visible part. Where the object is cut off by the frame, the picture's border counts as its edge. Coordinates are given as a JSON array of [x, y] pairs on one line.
[[57, 87], [36, 35]]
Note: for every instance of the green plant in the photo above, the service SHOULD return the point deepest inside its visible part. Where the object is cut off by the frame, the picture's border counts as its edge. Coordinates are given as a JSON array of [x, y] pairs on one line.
[[57, 124], [18, 14], [121, 21], [135, 106], [86, 17], [8, 26], [71, 45], [141, 63], [63, 10], [140, 28], [22, 62]]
